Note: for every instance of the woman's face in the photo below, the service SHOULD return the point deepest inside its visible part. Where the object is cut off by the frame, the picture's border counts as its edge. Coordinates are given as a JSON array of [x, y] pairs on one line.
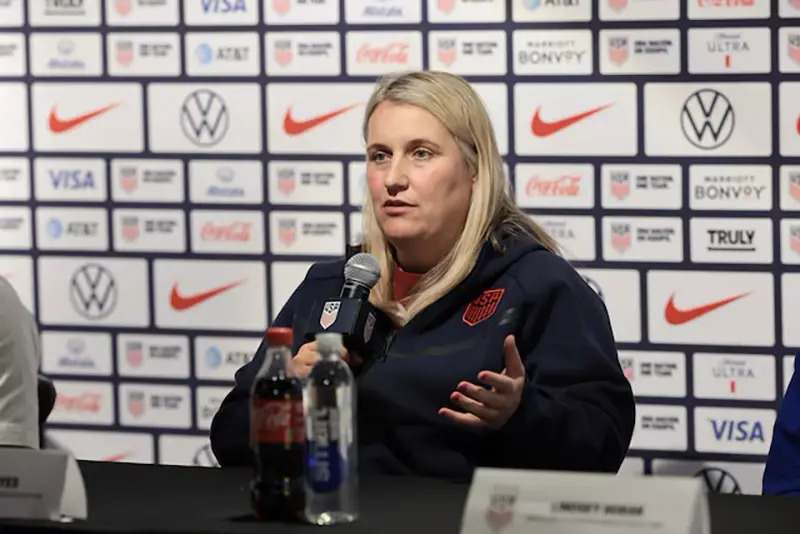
[[419, 182]]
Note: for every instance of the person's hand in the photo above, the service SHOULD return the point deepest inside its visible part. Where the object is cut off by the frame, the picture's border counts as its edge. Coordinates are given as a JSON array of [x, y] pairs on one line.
[[490, 408], [308, 355]]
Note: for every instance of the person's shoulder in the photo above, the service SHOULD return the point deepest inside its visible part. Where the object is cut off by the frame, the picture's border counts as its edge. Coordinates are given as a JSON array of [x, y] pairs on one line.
[[12, 310], [330, 269], [540, 270]]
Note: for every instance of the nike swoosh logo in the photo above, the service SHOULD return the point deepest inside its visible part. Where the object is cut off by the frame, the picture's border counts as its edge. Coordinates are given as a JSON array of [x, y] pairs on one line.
[[117, 457], [58, 125], [180, 302], [542, 128], [294, 127], [675, 316]]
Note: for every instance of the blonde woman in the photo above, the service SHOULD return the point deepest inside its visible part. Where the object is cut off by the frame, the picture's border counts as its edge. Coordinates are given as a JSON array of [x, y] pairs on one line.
[[458, 388]]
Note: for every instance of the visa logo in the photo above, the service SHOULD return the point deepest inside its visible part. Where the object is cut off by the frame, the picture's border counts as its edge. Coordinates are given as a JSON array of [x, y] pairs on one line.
[[224, 6], [731, 430], [74, 179]]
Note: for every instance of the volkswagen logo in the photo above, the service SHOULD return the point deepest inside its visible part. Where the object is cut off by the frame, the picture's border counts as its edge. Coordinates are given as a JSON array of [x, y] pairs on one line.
[[93, 291], [594, 285], [707, 119], [204, 457], [718, 480], [204, 118]]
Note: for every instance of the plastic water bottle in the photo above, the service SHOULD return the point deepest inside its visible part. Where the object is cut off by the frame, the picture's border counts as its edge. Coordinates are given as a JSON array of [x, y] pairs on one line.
[[331, 448]]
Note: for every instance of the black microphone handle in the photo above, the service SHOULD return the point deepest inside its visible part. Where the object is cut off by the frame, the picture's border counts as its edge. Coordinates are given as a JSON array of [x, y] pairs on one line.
[[355, 290]]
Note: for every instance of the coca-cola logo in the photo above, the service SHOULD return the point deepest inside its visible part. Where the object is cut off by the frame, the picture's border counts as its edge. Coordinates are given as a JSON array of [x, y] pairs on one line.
[[277, 415], [393, 53], [85, 402], [563, 186], [235, 231]]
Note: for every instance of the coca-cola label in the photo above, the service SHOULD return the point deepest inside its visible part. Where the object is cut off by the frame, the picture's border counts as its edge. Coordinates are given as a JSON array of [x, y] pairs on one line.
[[277, 421], [394, 53], [563, 186], [235, 231], [85, 402]]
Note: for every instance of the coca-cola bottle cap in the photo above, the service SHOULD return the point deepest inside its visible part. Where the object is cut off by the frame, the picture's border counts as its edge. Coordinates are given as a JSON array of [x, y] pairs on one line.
[[279, 336]]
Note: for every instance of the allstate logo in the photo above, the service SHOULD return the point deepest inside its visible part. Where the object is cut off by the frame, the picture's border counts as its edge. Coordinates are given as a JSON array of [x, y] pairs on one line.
[[204, 54], [213, 357], [55, 228], [532, 4], [225, 174]]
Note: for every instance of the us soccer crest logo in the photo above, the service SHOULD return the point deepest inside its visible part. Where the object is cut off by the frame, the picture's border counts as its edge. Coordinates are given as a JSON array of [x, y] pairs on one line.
[[128, 179], [136, 403], [446, 6], [329, 314], [618, 50], [281, 7], [794, 185], [621, 236], [369, 327], [123, 6], [124, 52], [287, 231], [483, 307], [794, 238], [618, 5], [134, 354], [500, 512], [447, 51], [620, 184], [286, 181], [283, 52]]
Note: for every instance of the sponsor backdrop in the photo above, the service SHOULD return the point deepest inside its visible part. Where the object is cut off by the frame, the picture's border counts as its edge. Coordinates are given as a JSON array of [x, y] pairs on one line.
[[169, 170]]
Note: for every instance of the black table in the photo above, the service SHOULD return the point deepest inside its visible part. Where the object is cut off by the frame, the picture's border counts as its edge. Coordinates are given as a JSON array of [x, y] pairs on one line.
[[129, 498]]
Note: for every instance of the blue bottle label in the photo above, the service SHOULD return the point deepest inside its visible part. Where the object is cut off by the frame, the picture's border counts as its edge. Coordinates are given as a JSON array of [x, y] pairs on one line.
[[324, 457]]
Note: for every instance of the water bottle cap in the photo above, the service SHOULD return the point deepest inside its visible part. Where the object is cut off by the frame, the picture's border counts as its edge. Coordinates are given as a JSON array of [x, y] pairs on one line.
[[278, 336], [329, 342]]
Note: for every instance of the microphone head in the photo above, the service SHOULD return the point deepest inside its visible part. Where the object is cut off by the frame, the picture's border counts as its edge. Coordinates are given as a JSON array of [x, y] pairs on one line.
[[364, 269]]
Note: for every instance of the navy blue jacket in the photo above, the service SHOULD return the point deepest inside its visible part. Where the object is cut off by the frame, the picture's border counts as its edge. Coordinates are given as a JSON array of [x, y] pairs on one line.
[[782, 471], [577, 410]]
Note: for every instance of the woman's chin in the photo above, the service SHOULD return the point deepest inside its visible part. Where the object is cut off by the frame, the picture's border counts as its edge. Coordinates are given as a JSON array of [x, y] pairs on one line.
[[395, 232]]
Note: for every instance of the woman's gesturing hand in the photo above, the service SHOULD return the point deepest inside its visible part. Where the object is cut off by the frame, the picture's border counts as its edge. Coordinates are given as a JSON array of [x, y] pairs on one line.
[[490, 408]]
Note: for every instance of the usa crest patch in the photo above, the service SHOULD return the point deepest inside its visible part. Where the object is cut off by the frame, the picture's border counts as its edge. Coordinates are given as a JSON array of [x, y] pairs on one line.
[[483, 307], [329, 314]]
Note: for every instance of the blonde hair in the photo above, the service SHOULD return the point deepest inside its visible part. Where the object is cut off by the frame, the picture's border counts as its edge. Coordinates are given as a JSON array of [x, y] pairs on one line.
[[458, 107]]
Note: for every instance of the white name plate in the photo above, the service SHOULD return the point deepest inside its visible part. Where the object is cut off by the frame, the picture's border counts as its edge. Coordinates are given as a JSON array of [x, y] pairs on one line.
[[40, 484], [550, 502]]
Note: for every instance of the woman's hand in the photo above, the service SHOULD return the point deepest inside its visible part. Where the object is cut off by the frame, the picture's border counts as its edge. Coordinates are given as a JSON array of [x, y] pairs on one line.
[[308, 355], [490, 408]]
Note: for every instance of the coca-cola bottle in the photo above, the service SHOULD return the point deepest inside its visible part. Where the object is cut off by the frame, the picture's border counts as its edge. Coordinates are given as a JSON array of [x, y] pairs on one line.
[[277, 433]]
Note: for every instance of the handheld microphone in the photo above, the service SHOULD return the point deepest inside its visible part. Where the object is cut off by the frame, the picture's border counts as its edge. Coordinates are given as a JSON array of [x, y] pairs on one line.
[[365, 329]]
